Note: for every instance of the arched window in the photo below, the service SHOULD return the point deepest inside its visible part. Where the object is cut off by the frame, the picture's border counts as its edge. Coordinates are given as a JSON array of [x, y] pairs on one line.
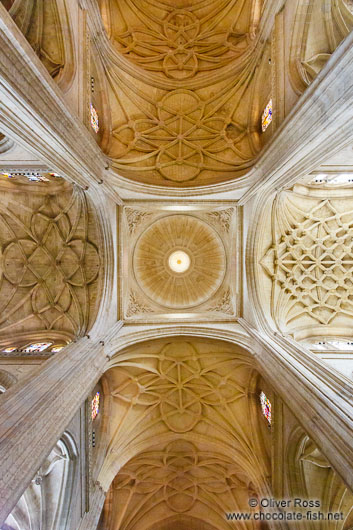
[[95, 406], [94, 119], [266, 116], [45, 505], [266, 407]]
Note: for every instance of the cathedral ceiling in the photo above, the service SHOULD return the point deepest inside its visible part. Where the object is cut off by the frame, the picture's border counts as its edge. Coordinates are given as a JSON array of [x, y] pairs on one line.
[[186, 433], [305, 265], [184, 105], [176, 263], [51, 263]]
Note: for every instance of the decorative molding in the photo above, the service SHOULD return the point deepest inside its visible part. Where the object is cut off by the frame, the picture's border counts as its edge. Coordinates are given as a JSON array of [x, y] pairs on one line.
[[135, 217], [225, 304], [136, 305], [222, 217]]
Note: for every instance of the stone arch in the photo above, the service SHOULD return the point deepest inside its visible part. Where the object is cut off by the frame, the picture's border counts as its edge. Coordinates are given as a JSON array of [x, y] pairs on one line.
[[219, 381], [47, 500], [36, 20], [310, 476]]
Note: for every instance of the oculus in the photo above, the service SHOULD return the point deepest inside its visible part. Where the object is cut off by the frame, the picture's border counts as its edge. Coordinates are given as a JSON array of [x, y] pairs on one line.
[[179, 261]]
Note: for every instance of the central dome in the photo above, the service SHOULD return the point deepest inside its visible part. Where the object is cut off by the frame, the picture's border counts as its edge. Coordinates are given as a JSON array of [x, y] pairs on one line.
[[179, 261]]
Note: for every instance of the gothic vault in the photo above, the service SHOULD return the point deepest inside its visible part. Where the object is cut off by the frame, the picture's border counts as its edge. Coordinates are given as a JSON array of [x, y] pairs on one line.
[[176, 264]]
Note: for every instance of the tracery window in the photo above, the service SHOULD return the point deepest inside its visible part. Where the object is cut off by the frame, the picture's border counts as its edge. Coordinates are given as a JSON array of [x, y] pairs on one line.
[[266, 407], [94, 119], [30, 176], [95, 406], [37, 346], [266, 116]]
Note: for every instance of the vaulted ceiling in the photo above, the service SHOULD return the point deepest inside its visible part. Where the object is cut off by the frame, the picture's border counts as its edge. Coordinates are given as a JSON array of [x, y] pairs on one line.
[[179, 88], [186, 434], [181, 81]]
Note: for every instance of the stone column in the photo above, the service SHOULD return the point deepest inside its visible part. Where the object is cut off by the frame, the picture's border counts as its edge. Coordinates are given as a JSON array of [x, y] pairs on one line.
[[317, 127], [320, 398], [35, 412], [91, 518], [34, 113]]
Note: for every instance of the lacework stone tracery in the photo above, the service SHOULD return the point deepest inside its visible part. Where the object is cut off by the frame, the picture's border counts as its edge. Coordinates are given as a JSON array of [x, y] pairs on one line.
[[50, 264], [180, 476], [180, 387], [181, 42], [181, 99], [311, 259]]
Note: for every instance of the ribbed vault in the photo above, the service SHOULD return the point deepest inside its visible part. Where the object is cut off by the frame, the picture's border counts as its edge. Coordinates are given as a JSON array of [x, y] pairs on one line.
[[187, 435], [182, 82]]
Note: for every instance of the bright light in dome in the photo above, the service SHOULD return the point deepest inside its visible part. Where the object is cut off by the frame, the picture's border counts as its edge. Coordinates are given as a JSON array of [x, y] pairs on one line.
[[179, 261]]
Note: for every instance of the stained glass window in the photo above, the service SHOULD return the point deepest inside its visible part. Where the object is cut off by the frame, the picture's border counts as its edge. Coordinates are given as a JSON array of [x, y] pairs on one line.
[[95, 406], [30, 175], [266, 407], [38, 346], [267, 116], [9, 350], [94, 119], [36, 177]]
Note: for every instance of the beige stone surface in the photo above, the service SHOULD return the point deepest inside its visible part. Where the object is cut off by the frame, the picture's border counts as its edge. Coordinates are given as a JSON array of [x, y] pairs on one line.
[[195, 260]]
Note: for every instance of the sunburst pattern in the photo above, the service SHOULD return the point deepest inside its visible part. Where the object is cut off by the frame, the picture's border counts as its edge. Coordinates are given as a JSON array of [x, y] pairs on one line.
[[207, 261]]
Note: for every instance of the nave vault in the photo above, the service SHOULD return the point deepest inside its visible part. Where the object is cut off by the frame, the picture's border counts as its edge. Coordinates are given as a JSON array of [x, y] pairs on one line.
[[176, 264]]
